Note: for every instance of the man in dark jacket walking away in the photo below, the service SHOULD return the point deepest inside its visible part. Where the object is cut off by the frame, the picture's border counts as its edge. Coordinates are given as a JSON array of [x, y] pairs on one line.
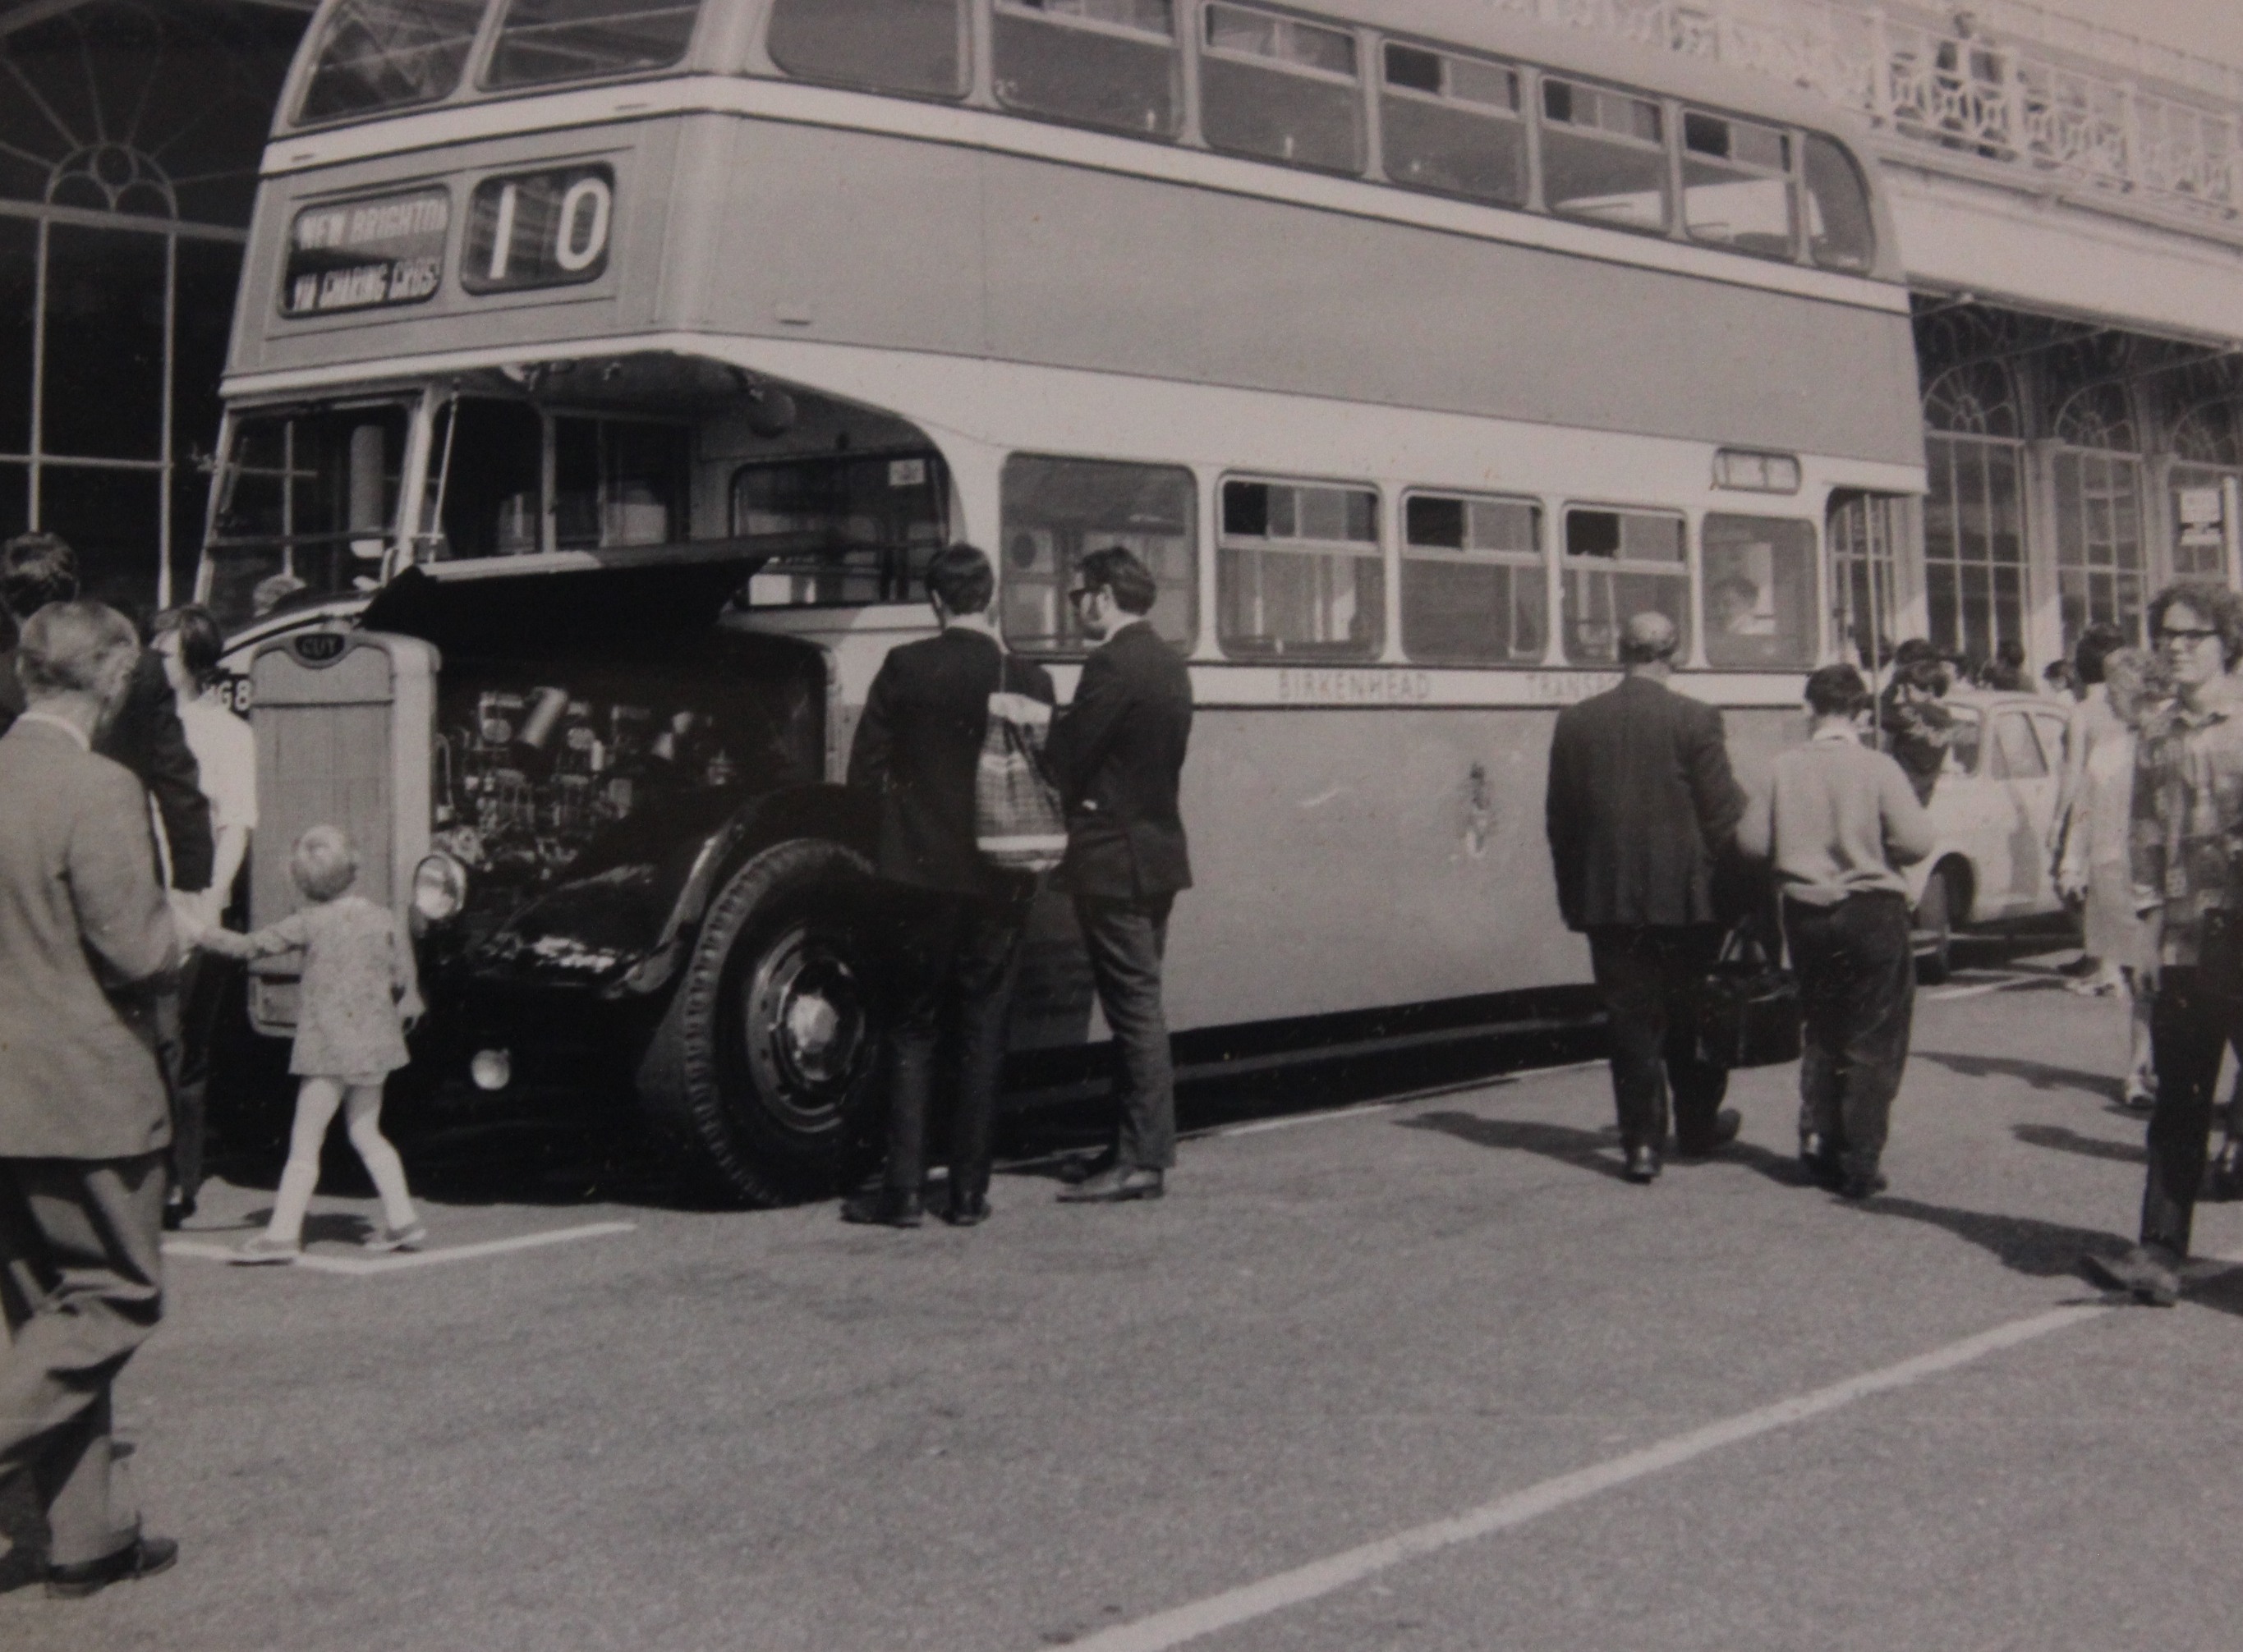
[[1640, 802], [1117, 753], [919, 749]]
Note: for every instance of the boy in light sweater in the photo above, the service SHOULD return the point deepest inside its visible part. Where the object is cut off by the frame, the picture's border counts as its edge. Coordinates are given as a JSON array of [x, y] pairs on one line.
[[1839, 820]]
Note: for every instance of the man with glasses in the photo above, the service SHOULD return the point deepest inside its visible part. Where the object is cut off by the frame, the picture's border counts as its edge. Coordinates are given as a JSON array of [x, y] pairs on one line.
[[2187, 827], [1117, 754]]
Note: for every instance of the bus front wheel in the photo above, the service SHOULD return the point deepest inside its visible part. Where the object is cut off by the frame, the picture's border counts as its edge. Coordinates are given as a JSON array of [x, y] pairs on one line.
[[762, 1069]]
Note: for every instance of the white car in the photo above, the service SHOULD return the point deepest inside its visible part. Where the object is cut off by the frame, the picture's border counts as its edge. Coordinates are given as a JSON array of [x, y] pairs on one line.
[[1992, 808]]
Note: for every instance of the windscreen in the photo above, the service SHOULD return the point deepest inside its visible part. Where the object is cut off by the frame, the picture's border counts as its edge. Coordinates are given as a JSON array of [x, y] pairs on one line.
[[388, 54], [307, 508]]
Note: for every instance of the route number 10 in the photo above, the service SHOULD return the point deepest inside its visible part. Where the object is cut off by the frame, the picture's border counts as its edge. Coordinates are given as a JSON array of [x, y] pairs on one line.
[[539, 229]]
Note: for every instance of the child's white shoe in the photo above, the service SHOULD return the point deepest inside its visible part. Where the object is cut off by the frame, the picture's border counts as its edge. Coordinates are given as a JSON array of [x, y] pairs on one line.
[[396, 1239], [265, 1251]]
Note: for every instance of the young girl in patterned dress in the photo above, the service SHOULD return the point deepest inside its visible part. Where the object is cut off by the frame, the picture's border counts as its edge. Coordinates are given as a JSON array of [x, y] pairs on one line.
[[357, 997]]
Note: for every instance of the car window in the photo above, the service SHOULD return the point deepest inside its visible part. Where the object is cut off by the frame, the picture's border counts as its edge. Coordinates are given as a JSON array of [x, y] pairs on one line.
[[1963, 746], [2050, 731], [2017, 751]]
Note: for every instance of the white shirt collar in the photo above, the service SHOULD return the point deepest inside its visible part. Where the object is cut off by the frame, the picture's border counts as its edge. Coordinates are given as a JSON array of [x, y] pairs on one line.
[[1851, 736], [62, 723]]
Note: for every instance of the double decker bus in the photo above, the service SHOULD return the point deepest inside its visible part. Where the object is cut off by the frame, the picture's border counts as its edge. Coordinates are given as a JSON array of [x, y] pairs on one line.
[[606, 372]]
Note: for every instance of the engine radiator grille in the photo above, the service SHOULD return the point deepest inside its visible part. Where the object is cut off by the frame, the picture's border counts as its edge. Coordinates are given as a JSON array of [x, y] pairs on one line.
[[343, 723]]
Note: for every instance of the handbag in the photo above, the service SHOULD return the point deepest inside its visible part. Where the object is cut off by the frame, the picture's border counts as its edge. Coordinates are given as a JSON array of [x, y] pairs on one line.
[[1018, 821], [1747, 1008]]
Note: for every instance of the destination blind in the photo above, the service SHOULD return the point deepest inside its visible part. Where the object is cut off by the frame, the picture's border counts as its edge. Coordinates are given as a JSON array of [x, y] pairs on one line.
[[366, 254]]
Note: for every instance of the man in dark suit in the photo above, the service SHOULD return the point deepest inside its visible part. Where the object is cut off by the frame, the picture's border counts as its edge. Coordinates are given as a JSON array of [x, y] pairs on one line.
[[83, 932], [1117, 753], [145, 735], [958, 917], [1640, 803]]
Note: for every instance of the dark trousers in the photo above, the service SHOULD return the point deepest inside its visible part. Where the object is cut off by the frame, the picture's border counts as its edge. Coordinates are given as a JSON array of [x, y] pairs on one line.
[[2189, 1032], [1127, 941], [189, 1019], [960, 953], [1856, 969], [81, 1280], [1650, 978]]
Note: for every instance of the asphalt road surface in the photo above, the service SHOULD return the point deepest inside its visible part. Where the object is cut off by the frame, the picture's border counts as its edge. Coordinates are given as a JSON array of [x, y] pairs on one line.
[[1420, 1374]]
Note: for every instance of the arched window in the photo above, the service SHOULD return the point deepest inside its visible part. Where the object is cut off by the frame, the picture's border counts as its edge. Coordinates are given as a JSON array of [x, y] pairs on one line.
[[130, 132], [1974, 398], [2208, 433], [2096, 415]]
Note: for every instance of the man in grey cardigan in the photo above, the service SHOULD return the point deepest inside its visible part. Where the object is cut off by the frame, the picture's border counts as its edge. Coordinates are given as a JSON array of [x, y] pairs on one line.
[[1839, 820], [84, 934]]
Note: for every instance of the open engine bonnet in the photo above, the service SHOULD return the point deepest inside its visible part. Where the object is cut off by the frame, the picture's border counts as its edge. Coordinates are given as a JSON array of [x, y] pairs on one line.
[[590, 719]]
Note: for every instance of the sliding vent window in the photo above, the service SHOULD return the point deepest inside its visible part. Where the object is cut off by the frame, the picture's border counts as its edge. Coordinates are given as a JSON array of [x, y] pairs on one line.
[[1840, 235], [1115, 63], [1297, 572], [1281, 89], [388, 54], [1736, 186], [1604, 156], [1761, 591], [1619, 563], [543, 40], [1057, 511], [915, 47], [1453, 124], [1473, 589], [847, 528]]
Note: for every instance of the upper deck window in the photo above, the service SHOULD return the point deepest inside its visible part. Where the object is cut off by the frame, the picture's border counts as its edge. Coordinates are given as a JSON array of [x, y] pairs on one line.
[[1056, 511], [1761, 586], [1617, 563], [1454, 124], [1298, 571], [1603, 155], [916, 47], [1281, 89], [1840, 233], [1115, 64], [843, 528], [542, 40], [388, 54], [1474, 590], [1736, 185]]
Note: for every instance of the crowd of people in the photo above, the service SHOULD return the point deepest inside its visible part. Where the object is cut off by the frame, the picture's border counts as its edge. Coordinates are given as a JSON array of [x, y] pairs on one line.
[[132, 798]]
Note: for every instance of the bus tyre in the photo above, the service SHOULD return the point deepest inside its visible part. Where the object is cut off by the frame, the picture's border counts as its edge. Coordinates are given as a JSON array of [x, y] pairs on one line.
[[761, 1072], [1944, 897]]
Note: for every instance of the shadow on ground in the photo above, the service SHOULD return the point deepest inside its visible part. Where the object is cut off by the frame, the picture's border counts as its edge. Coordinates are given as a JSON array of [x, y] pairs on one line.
[[2037, 1074], [2070, 1141]]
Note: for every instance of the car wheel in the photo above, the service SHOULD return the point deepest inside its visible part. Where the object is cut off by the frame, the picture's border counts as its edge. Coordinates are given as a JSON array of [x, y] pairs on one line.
[[760, 1071], [1935, 926]]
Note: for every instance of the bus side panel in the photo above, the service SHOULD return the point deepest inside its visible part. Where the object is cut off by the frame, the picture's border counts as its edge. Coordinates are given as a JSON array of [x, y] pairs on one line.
[[1346, 860]]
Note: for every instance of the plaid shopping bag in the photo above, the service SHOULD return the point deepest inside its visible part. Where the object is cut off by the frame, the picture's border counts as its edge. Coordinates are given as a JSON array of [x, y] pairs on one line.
[[1018, 823]]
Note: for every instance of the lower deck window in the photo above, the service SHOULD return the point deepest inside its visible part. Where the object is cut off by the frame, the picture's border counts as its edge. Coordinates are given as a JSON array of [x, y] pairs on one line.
[[1299, 572], [843, 528], [1056, 511], [509, 478], [1761, 591], [1473, 589], [1619, 563]]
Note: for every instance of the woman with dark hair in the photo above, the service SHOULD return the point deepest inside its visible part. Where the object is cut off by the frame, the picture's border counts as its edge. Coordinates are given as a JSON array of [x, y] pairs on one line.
[[2091, 726], [2187, 815], [189, 642]]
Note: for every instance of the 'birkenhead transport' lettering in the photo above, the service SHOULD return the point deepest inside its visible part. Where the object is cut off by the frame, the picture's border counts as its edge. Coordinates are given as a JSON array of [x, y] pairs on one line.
[[1302, 685]]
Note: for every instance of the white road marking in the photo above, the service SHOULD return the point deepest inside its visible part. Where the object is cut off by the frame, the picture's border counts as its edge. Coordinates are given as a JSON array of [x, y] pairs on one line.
[[1260, 1124], [398, 1261], [1201, 1618], [1979, 989]]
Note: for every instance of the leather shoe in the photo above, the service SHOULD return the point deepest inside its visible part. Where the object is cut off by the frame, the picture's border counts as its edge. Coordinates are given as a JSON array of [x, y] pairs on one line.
[[1642, 1167], [888, 1207], [142, 1557], [1113, 1186], [1075, 1171], [1727, 1122], [966, 1210], [2150, 1272], [1862, 1184]]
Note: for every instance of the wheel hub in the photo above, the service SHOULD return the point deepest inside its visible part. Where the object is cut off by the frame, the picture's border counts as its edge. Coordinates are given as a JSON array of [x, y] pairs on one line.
[[806, 1022]]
